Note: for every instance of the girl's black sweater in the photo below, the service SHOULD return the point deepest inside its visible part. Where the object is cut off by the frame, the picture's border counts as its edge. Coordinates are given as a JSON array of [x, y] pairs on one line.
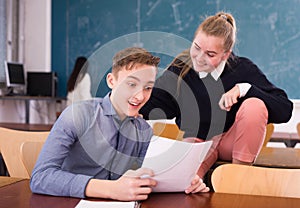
[[194, 101]]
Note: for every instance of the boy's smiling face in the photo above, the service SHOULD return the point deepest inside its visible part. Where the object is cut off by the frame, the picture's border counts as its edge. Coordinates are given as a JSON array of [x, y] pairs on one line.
[[131, 89]]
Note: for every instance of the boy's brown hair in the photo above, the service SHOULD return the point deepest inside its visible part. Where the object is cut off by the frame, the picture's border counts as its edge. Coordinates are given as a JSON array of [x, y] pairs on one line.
[[130, 57]]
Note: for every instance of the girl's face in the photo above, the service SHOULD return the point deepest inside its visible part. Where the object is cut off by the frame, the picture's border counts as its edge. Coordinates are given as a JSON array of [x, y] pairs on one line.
[[131, 89], [207, 52]]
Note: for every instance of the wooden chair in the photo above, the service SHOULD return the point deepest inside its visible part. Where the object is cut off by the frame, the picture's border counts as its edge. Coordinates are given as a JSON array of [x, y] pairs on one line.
[[167, 130], [10, 148], [269, 132], [298, 129], [251, 180], [30, 151]]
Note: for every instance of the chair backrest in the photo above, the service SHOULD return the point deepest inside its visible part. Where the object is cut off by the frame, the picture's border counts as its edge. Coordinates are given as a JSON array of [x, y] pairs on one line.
[[269, 132], [298, 129], [167, 130], [10, 145], [252, 180], [30, 151]]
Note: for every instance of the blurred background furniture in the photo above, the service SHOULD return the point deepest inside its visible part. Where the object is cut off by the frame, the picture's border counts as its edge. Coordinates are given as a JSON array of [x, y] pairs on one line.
[[251, 180], [167, 130], [30, 151], [269, 132], [10, 148]]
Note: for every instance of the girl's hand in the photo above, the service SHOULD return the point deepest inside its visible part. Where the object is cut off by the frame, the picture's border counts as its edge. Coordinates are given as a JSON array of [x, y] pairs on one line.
[[229, 98]]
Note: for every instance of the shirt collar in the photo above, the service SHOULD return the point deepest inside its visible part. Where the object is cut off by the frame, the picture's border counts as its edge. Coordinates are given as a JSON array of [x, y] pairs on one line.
[[216, 73], [107, 106], [109, 110]]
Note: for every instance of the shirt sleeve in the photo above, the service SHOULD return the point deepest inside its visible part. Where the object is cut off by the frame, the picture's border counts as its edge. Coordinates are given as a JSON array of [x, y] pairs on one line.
[[48, 176], [244, 87]]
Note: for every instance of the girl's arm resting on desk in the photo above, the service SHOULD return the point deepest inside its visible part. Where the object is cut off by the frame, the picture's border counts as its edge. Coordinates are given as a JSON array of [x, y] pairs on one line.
[[130, 187]]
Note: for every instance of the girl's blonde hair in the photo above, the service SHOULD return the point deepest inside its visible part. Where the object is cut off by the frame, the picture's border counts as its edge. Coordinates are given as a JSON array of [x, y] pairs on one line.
[[220, 25]]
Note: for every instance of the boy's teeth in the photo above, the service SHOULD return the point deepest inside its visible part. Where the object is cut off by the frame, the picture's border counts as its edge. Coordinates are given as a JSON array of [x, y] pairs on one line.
[[133, 103]]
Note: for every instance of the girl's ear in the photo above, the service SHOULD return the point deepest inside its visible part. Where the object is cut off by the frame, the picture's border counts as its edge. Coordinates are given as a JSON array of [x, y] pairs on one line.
[[110, 80], [226, 55]]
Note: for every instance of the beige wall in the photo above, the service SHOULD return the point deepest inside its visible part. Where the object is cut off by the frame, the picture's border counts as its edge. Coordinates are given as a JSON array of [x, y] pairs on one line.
[[37, 35], [35, 53]]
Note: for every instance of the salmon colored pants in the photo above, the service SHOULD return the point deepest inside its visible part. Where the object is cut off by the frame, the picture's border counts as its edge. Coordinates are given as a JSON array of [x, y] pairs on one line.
[[243, 140]]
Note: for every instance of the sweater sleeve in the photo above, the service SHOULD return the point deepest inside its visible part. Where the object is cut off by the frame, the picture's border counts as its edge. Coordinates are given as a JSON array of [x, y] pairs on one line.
[[276, 100], [162, 103]]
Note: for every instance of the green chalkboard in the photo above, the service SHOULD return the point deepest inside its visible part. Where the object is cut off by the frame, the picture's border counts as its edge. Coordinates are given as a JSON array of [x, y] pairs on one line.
[[268, 31]]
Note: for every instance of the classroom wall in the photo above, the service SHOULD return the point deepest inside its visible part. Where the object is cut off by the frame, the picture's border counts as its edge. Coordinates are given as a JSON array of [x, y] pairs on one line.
[[106, 22], [2, 40], [37, 35], [290, 127], [268, 33], [268, 30]]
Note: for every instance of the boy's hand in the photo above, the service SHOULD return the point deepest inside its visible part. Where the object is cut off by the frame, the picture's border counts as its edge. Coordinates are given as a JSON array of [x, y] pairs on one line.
[[134, 185], [197, 185]]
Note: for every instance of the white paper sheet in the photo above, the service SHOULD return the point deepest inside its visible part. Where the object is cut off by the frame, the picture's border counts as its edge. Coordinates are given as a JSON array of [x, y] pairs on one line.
[[104, 204], [175, 163]]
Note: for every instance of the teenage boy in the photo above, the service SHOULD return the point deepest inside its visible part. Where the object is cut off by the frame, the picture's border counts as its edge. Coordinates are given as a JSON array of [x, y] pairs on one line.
[[96, 147]]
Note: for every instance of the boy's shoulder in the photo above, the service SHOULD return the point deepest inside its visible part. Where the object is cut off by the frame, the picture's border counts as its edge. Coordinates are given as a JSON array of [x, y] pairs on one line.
[[84, 107], [88, 103]]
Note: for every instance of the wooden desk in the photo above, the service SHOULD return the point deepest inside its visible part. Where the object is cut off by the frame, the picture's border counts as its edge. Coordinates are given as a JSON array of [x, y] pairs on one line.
[[289, 139], [5, 180], [278, 157], [18, 195], [27, 127], [27, 100]]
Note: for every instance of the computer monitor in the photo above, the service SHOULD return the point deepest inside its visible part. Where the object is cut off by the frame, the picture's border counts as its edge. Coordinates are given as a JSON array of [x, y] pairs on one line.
[[15, 75], [41, 84]]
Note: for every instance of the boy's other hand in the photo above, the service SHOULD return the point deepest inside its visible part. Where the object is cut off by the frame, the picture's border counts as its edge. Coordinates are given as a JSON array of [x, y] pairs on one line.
[[134, 185]]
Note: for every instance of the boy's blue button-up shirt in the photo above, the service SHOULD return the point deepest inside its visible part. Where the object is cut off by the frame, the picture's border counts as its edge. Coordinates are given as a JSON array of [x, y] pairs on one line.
[[89, 141]]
